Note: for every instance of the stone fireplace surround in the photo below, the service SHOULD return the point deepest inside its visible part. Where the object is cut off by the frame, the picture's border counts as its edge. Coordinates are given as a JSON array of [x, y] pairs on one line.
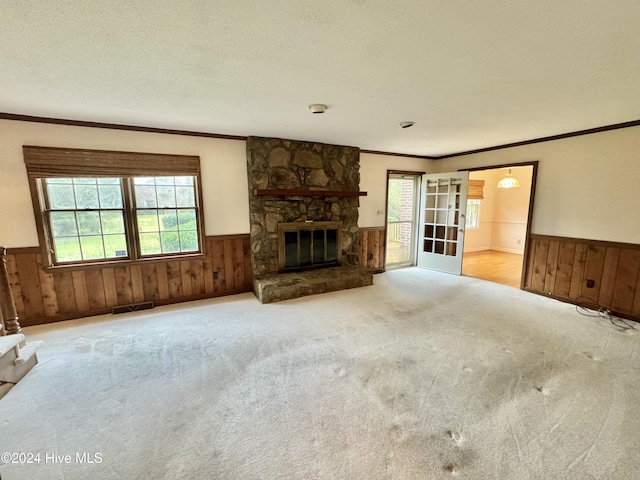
[[279, 164]]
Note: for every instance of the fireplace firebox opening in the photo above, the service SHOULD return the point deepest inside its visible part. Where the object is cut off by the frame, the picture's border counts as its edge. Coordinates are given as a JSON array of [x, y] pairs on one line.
[[308, 245]]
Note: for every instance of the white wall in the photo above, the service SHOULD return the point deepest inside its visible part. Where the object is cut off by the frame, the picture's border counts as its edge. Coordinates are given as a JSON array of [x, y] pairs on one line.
[[373, 180], [223, 164], [587, 186]]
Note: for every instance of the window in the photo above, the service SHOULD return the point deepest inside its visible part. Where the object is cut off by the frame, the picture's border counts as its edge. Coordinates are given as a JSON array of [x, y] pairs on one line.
[[85, 217], [166, 214], [473, 214], [117, 207]]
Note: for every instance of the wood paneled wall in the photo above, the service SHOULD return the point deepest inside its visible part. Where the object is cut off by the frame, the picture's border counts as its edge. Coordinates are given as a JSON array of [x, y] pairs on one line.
[[372, 248], [560, 267], [43, 297]]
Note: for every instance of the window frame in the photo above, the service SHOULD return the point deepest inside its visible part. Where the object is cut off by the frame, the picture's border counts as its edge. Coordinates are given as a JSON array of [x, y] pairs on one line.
[[130, 193], [47, 162], [477, 216], [47, 210]]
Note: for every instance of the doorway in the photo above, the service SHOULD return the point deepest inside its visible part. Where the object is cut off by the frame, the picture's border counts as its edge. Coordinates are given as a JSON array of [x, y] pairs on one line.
[[401, 217], [498, 222]]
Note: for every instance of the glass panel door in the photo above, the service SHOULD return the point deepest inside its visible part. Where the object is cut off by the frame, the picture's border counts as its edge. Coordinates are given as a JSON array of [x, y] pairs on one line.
[[441, 232], [401, 219]]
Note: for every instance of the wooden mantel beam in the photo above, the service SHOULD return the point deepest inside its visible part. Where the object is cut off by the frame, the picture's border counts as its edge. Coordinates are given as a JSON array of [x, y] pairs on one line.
[[308, 193]]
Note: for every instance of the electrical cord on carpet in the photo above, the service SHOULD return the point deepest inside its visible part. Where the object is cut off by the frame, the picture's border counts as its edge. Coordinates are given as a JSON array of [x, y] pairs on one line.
[[589, 308]]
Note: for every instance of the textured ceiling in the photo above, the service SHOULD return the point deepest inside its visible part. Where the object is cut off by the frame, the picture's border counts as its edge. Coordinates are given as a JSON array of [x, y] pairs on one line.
[[470, 74]]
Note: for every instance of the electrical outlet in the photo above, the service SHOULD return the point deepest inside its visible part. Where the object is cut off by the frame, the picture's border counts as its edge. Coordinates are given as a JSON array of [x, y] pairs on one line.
[[519, 241], [369, 256], [215, 275], [591, 283]]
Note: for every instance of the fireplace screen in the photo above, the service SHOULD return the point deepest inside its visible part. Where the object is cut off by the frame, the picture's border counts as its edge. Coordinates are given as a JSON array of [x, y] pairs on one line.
[[308, 245]]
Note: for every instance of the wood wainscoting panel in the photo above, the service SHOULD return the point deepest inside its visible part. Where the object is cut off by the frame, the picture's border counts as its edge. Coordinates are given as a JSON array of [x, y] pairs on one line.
[[561, 267], [185, 278], [566, 252], [95, 289], [110, 288], [163, 281], [625, 291], [44, 296], [540, 253], [124, 288], [137, 286], [577, 270], [48, 289], [228, 263], [609, 274], [27, 268], [174, 275], [79, 281], [197, 277], [593, 270], [217, 263], [372, 248], [65, 293], [150, 282]]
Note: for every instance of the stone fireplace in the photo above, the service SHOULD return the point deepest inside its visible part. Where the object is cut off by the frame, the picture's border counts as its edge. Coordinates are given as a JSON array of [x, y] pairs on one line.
[[303, 204]]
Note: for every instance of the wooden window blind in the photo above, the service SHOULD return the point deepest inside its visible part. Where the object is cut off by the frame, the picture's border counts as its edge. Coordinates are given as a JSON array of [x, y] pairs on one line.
[[476, 190], [47, 162]]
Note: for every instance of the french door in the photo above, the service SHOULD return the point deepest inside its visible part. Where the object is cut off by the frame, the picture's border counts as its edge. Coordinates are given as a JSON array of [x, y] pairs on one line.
[[442, 221]]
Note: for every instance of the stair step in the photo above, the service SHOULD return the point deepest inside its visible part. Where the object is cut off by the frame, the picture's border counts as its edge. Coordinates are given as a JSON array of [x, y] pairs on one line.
[[7, 342], [28, 351], [4, 388], [15, 362]]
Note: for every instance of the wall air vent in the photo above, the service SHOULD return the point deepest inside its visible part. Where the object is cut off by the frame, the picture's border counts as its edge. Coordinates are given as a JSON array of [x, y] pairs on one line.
[[132, 307]]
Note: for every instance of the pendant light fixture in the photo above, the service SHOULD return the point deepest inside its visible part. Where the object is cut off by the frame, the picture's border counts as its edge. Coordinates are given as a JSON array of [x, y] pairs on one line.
[[508, 181]]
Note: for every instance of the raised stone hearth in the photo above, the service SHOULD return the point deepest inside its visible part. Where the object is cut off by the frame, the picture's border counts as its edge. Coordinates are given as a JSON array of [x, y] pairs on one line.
[[324, 181], [285, 286]]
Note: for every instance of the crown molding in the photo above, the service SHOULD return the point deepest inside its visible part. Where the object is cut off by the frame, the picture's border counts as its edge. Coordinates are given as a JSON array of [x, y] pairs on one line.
[[167, 131]]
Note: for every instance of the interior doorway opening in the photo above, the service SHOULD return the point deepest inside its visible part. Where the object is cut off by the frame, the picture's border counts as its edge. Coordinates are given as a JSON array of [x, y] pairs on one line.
[[402, 209], [498, 222]]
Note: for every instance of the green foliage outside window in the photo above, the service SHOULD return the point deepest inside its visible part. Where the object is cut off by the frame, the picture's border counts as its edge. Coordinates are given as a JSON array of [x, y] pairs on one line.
[[87, 217]]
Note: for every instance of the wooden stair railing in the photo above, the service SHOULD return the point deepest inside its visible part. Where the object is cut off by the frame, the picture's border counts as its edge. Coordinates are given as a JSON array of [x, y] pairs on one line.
[[8, 313], [16, 357], [3, 332]]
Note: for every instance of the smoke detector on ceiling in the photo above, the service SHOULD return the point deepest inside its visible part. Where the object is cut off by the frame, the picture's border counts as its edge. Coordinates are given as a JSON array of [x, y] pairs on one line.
[[318, 108], [407, 124]]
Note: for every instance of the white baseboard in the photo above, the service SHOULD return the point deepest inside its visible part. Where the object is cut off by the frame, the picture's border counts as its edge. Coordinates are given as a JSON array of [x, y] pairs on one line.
[[476, 249], [508, 250]]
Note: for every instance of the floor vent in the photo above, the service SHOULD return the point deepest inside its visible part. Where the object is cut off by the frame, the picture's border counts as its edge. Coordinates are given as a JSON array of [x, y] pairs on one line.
[[133, 307]]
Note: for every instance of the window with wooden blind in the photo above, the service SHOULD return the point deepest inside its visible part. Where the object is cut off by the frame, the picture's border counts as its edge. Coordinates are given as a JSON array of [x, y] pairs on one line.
[[473, 214], [98, 206]]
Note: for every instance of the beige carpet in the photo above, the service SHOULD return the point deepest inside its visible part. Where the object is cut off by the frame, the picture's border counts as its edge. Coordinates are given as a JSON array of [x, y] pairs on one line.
[[421, 376]]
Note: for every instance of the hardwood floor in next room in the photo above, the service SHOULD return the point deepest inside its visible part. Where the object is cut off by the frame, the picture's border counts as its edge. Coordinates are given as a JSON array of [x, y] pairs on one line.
[[499, 267]]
